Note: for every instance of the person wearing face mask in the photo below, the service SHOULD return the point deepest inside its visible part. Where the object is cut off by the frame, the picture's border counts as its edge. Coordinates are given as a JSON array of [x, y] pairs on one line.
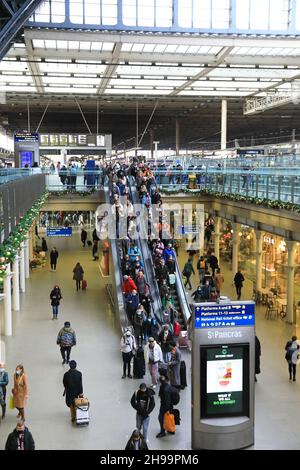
[[55, 297], [143, 402], [20, 439], [20, 390], [136, 441], [3, 384], [128, 346]]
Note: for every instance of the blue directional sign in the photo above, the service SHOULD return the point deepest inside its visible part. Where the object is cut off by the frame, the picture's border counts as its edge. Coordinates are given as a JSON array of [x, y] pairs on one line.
[[214, 315], [59, 231]]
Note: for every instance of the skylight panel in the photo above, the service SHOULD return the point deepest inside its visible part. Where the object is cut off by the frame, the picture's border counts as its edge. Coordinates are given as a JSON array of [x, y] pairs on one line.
[[126, 47], [160, 48], [182, 49], [149, 47], [85, 45], [50, 44], [62, 44], [76, 11], [108, 46], [109, 12], [171, 48], [96, 46], [73, 45], [69, 90], [164, 13], [137, 47]]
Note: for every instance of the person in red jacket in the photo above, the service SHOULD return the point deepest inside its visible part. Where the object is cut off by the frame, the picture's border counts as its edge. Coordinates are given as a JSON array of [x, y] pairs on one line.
[[128, 285]]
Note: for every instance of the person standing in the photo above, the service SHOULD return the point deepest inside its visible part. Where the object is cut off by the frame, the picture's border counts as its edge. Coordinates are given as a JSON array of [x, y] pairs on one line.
[[219, 281], [143, 402], [201, 267], [66, 339], [153, 356], [128, 346], [20, 390], [44, 245], [20, 439], [188, 270], [55, 297], [165, 402], [213, 262], [53, 258], [72, 382], [83, 236], [165, 338], [3, 384], [290, 347], [238, 281], [78, 275], [95, 250], [257, 356]]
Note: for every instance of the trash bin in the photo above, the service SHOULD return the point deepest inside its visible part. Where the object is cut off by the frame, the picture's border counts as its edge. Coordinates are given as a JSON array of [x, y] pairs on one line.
[[192, 181]]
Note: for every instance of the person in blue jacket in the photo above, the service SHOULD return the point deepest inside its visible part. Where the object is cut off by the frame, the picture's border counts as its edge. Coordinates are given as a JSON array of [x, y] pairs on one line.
[[133, 252], [168, 251], [3, 384]]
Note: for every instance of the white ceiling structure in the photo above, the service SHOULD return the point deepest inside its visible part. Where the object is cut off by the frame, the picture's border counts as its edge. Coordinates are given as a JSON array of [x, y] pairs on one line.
[[145, 65]]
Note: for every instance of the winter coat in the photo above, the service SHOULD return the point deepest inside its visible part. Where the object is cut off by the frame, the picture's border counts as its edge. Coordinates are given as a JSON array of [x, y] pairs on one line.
[[257, 355], [53, 256], [78, 273], [73, 385], [167, 253], [158, 357], [171, 266], [127, 344], [128, 286], [66, 337], [133, 252], [20, 390], [132, 301], [239, 279], [161, 272], [142, 444], [213, 261], [136, 402], [3, 379], [165, 397], [219, 281], [188, 269], [55, 297], [164, 344], [197, 295], [83, 235], [141, 284], [174, 367], [12, 440], [44, 245]]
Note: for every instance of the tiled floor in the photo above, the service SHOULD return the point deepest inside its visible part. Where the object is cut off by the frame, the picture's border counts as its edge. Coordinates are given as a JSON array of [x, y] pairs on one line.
[[99, 359]]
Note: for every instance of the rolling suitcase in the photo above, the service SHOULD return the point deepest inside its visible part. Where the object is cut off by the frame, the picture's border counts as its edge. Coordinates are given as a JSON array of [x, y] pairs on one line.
[[84, 284], [82, 406], [89, 243], [139, 368], [183, 382], [183, 340]]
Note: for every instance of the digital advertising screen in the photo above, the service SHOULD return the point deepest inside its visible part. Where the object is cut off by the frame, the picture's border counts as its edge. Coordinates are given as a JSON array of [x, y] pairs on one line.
[[26, 158], [224, 380]]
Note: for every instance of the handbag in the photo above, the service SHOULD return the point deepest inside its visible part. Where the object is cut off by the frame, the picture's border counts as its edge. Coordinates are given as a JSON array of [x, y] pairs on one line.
[[11, 402], [169, 422]]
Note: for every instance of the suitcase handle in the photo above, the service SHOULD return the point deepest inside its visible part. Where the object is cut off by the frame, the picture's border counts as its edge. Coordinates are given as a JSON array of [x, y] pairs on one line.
[[79, 408]]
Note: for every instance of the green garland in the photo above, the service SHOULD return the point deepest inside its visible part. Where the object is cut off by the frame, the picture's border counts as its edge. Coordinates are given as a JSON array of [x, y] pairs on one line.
[[264, 202], [70, 192], [9, 248]]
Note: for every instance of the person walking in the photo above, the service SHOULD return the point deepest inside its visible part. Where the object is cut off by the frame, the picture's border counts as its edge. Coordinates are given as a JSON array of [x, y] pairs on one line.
[[165, 338], [201, 267], [174, 359], [153, 356], [165, 396], [53, 258], [257, 356], [213, 263], [20, 439], [238, 281], [3, 384], [55, 296], [95, 250], [128, 347], [136, 441], [143, 402], [188, 270], [290, 347], [66, 339], [78, 275], [72, 382], [219, 281], [20, 390], [44, 245], [83, 237]]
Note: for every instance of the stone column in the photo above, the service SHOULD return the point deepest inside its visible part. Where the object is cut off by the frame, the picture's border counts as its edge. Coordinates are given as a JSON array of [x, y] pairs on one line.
[[290, 284], [16, 285], [22, 268], [7, 303], [235, 247], [259, 242], [217, 237]]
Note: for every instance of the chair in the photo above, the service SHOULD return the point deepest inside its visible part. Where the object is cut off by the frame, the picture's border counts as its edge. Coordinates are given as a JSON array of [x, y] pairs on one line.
[[271, 311]]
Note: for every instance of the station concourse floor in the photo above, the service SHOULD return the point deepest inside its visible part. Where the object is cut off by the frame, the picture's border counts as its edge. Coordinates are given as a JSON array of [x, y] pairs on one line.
[[98, 356]]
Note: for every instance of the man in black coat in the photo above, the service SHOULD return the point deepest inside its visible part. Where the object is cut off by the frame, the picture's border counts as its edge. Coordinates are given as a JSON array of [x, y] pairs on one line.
[[161, 272], [213, 262], [165, 402], [83, 237], [143, 402], [53, 258], [73, 386], [20, 439]]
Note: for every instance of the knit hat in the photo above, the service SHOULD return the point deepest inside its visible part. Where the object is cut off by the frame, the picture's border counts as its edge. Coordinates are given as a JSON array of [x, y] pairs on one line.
[[73, 364]]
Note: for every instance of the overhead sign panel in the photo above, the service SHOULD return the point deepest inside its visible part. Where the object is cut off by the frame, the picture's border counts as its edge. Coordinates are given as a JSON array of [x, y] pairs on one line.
[[214, 315], [59, 231]]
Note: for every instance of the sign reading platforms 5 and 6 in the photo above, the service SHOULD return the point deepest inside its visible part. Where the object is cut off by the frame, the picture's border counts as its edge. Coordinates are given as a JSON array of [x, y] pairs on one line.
[[213, 315]]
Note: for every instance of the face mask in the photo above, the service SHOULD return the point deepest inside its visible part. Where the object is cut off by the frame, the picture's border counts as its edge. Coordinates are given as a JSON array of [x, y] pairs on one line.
[[18, 372]]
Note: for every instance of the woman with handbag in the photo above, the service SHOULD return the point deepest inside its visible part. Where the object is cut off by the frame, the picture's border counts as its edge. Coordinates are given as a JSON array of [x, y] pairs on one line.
[[55, 297], [20, 390], [78, 275]]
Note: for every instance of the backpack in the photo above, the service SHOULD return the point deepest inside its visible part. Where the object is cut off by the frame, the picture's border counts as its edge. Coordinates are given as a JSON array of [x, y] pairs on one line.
[[175, 396], [67, 339]]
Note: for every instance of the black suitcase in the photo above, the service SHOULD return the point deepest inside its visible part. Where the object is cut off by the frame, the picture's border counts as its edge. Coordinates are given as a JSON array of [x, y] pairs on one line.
[[183, 382], [89, 243], [139, 368], [176, 414]]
